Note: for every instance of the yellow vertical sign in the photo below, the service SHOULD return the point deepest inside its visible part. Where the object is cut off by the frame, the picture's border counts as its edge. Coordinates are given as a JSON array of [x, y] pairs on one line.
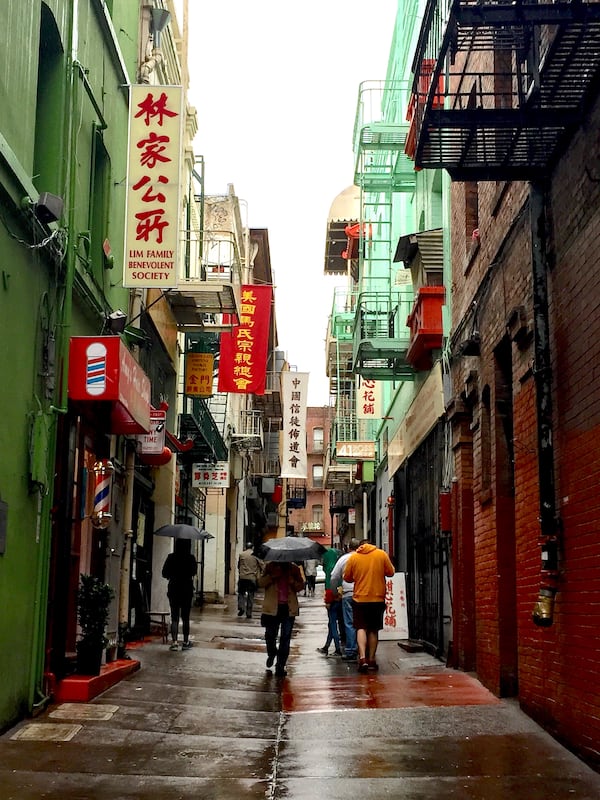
[[199, 374]]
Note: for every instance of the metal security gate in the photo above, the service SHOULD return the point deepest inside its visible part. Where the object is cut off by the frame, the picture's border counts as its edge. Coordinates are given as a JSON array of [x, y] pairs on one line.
[[427, 556]]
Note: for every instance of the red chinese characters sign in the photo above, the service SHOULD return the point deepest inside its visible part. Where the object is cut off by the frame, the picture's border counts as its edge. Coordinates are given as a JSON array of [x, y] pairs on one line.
[[153, 180], [395, 617], [243, 352], [368, 399]]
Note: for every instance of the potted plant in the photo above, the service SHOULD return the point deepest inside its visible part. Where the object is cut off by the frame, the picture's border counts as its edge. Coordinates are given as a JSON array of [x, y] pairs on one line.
[[93, 601]]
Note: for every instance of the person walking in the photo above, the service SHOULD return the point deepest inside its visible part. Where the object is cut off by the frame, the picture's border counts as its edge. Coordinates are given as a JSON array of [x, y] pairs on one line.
[[337, 580], [332, 602], [179, 569], [249, 569], [310, 573], [330, 557], [367, 568], [281, 581]]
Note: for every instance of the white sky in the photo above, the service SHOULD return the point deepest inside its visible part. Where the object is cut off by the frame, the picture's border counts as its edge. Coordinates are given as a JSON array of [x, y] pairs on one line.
[[276, 87]]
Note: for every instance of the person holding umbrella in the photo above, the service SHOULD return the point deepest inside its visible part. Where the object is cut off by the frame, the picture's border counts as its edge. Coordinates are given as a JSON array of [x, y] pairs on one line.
[[180, 569], [282, 580]]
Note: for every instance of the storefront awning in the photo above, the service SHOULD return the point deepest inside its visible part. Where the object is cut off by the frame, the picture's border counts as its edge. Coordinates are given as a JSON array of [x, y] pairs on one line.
[[102, 370]]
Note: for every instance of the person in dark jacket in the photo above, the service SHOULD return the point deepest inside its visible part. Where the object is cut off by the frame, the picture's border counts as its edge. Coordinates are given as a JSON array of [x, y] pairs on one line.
[[281, 582], [179, 569]]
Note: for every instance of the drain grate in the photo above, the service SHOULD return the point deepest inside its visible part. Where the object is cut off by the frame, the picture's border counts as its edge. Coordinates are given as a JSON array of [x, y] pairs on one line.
[[87, 711], [46, 732]]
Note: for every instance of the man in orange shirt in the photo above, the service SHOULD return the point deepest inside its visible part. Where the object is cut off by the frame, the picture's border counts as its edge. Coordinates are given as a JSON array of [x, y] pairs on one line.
[[367, 568]]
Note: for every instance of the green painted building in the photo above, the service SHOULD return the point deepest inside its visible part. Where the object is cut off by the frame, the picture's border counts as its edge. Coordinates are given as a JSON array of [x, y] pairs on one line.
[[67, 65]]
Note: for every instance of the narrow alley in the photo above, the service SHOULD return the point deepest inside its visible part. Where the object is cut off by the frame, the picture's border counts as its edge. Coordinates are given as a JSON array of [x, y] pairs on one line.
[[213, 724]]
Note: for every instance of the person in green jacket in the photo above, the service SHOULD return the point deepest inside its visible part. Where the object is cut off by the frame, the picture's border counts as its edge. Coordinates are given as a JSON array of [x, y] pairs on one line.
[[330, 556]]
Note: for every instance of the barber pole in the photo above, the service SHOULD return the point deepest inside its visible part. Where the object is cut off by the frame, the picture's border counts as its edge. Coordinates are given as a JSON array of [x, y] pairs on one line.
[[101, 516]]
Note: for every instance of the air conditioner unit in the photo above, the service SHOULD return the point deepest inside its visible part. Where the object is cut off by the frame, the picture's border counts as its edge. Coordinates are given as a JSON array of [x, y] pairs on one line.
[[268, 485]]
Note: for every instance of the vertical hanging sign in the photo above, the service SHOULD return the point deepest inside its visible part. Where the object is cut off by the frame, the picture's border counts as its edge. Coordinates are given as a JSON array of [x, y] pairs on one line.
[[368, 399], [243, 352], [153, 181], [294, 393]]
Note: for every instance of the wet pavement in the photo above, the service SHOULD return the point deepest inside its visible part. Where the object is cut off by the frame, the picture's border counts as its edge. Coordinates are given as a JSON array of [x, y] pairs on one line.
[[213, 724]]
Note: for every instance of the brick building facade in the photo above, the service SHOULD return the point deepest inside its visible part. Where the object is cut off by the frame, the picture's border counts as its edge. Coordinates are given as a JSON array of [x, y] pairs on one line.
[[314, 520], [499, 442]]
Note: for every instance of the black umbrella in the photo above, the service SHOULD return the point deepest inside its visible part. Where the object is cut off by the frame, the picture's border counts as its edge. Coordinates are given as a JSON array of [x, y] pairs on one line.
[[291, 548], [183, 531]]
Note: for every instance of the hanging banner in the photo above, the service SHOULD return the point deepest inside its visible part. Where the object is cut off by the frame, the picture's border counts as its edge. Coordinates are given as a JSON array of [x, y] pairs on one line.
[[368, 399], [243, 352], [199, 374], [153, 181], [294, 394]]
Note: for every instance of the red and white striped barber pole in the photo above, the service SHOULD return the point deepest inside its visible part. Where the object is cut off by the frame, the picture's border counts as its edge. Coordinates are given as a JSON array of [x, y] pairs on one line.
[[103, 470]]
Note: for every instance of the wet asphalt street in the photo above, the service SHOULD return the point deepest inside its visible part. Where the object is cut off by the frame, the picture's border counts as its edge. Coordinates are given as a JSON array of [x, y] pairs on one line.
[[212, 723]]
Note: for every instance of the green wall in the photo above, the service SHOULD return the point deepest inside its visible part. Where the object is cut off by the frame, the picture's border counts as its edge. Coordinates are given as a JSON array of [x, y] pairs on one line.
[[49, 132]]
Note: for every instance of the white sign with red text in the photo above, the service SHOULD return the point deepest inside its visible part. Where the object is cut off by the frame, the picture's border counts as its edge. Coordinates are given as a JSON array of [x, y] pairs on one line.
[[395, 618]]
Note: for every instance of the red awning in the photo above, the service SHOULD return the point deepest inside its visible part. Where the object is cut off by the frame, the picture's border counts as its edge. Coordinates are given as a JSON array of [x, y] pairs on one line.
[[101, 369]]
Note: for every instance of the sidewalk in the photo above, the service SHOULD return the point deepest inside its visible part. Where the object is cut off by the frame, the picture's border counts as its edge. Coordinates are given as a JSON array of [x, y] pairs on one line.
[[211, 723]]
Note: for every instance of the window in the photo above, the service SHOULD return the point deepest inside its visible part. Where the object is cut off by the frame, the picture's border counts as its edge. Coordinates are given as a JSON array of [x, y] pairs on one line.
[[99, 208], [318, 440], [317, 514], [317, 476]]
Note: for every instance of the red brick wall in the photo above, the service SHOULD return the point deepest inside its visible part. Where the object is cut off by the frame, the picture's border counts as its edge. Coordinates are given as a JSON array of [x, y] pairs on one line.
[[558, 666]]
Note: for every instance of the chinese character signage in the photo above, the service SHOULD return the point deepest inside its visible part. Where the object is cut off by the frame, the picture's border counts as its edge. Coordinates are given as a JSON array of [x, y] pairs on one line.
[[294, 393], [395, 617], [243, 352], [368, 399], [199, 374], [210, 475], [153, 180]]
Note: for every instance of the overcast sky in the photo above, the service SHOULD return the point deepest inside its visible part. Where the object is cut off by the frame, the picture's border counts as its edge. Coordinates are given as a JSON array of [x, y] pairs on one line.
[[276, 87]]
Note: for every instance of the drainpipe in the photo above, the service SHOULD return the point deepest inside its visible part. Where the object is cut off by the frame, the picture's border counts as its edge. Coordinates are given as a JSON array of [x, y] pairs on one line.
[[125, 573], [37, 697], [543, 612]]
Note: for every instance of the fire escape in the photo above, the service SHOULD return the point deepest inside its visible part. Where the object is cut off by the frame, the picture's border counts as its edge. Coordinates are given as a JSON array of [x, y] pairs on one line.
[[499, 90], [381, 337], [500, 87]]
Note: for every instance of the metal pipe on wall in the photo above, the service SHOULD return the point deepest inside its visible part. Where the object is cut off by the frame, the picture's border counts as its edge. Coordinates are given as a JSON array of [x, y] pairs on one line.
[[544, 607]]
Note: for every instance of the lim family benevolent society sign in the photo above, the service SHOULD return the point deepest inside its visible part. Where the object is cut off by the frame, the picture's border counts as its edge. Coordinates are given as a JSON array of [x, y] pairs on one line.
[[153, 180]]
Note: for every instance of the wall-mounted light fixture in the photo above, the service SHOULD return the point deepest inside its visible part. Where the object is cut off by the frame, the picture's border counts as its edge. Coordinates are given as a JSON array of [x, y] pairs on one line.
[[115, 322], [160, 18]]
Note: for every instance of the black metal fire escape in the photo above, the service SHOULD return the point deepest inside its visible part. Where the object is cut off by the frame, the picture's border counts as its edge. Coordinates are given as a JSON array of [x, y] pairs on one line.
[[500, 87]]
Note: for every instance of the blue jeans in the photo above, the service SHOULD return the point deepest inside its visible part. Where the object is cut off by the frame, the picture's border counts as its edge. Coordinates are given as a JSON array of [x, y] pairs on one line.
[[281, 623], [351, 648], [333, 616]]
